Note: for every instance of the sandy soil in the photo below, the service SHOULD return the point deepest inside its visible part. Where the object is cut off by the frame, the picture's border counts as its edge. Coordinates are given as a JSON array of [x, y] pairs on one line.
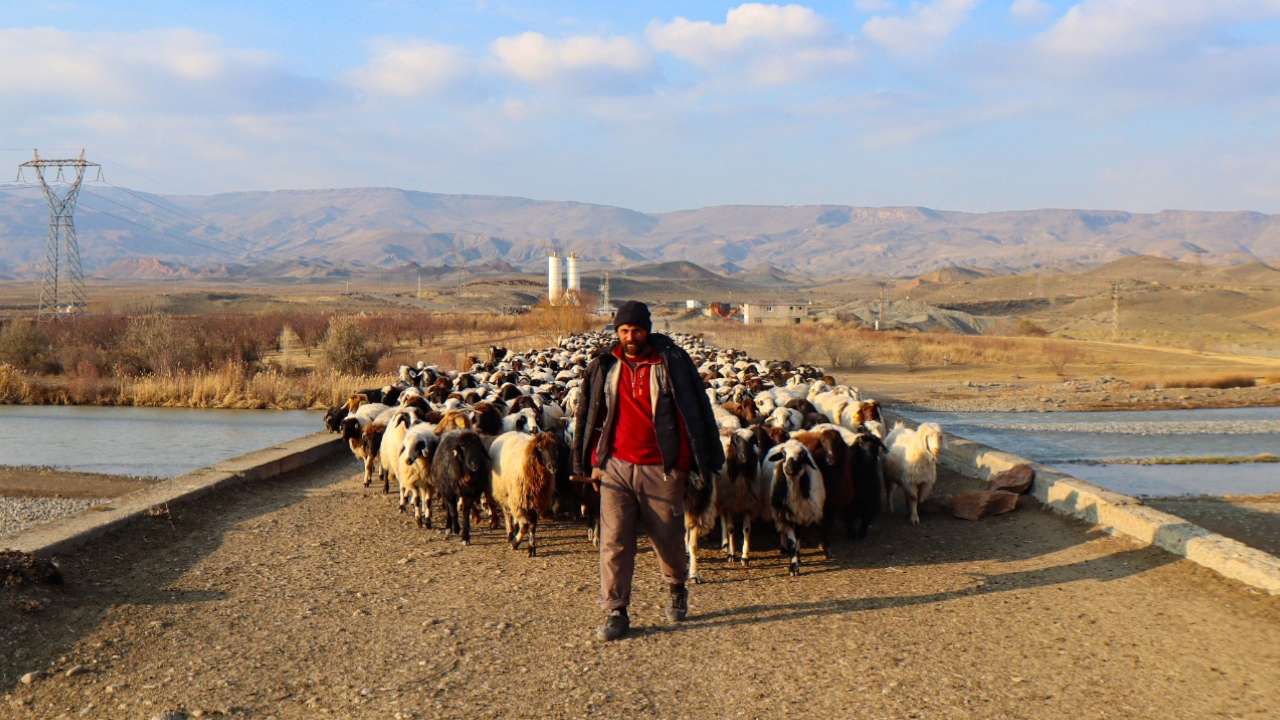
[[991, 393], [310, 596], [47, 482]]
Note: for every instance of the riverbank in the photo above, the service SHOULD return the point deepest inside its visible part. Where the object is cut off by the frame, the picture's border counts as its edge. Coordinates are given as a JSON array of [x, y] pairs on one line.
[[1103, 394]]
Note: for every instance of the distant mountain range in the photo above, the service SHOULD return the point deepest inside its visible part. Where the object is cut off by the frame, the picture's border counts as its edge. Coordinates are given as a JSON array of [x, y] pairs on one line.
[[317, 234]]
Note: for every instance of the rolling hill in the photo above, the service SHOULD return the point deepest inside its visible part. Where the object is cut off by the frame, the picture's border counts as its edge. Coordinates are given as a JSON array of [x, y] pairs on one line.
[[388, 228]]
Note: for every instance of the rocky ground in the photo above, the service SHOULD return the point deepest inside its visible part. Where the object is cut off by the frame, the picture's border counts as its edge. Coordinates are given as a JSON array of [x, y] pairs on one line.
[[309, 596]]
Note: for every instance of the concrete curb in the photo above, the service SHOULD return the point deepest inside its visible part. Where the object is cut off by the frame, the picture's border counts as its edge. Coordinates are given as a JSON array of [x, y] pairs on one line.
[[68, 533], [1116, 513]]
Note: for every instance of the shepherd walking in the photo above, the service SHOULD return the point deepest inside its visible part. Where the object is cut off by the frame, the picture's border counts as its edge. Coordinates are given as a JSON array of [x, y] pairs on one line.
[[644, 425]]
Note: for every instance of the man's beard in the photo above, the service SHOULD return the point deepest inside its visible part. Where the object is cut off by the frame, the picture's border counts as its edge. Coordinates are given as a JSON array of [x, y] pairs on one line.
[[635, 349]]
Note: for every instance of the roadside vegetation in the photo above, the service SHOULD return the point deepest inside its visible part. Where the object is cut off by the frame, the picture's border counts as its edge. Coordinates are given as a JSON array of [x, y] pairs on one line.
[[276, 360], [848, 347]]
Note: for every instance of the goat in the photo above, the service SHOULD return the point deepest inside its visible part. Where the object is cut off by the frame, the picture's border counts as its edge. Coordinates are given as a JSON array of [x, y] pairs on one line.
[[524, 470], [912, 464]]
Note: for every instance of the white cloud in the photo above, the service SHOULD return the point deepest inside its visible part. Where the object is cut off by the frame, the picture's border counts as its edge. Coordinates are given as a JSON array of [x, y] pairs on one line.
[[1112, 28], [1030, 10], [580, 64], [927, 26], [409, 69], [875, 5], [772, 44], [177, 71]]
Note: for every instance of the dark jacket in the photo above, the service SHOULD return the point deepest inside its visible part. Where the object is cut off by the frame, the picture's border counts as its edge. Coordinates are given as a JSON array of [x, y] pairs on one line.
[[676, 387]]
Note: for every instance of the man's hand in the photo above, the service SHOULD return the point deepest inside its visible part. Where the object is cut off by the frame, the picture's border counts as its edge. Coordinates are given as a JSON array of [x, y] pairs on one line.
[[680, 475], [597, 474]]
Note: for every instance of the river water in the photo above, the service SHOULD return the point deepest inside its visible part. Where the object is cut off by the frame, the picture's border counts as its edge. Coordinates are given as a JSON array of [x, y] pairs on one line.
[[1073, 442], [143, 442]]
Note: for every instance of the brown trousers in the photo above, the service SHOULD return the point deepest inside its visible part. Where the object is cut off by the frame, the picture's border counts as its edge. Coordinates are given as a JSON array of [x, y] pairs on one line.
[[631, 493]]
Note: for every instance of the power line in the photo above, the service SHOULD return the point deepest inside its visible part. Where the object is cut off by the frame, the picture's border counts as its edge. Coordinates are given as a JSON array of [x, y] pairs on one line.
[[126, 168], [157, 219], [159, 231], [187, 217]]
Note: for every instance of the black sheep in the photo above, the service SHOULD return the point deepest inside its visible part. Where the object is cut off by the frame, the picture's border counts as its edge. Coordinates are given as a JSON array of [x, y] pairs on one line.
[[333, 419], [866, 453], [460, 471]]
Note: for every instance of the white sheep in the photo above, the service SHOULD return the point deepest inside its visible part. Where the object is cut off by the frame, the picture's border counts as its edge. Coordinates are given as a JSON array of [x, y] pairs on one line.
[[524, 482], [393, 442], [911, 464], [413, 468]]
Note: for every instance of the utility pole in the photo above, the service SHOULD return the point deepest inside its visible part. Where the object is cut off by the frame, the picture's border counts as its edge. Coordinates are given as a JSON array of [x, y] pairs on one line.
[[62, 236], [1115, 311], [880, 322]]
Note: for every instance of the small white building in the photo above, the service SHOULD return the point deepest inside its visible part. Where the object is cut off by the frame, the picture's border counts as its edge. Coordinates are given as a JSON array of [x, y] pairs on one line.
[[779, 313]]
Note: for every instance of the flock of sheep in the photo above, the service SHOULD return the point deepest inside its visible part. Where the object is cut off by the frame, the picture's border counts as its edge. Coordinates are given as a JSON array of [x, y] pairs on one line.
[[802, 451]]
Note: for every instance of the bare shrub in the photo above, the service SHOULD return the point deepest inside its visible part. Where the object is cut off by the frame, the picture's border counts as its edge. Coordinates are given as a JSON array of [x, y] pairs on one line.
[[547, 323], [345, 347], [856, 358], [21, 343], [1218, 382], [1025, 327], [910, 352], [834, 344], [153, 344], [788, 343], [1058, 357]]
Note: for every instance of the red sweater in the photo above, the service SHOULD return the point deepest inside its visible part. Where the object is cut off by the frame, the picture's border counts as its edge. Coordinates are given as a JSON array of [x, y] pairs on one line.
[[634, 438]]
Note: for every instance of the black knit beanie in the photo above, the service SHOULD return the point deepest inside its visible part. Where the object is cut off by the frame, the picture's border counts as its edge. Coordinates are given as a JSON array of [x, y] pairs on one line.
[[633, 312]]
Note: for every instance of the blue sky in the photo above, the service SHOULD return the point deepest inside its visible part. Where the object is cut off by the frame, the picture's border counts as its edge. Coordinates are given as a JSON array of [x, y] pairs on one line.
[[975, 105]]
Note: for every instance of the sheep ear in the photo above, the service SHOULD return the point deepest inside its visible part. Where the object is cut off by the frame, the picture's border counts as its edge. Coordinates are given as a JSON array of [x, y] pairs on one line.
[[774, 456]]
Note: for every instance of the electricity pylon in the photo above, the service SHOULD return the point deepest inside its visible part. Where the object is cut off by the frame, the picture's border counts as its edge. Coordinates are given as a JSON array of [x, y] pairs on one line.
[[62, 237]]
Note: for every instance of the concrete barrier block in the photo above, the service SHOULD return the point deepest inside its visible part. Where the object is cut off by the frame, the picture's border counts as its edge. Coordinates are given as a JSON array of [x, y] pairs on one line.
[[1115, 512], [67, 533]]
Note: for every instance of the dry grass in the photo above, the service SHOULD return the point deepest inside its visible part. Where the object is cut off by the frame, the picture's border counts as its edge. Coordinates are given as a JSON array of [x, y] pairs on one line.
[[870, 347], [1270, 379], [234, 387], [14, 388], [1217, 382]]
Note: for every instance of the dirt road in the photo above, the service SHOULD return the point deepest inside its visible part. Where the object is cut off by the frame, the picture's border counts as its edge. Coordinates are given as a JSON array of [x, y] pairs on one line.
[[308, 596]]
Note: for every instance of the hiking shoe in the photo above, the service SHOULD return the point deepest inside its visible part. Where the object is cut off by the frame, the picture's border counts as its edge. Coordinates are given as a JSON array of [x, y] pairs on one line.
[[678, 603], [616, 625]]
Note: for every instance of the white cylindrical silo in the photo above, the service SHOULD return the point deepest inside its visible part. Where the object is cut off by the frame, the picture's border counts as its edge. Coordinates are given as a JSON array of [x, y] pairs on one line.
[[554, 285], [574, 281]]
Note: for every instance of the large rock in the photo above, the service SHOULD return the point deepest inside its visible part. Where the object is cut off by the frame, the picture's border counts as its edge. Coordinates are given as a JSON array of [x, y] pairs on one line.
[[1016, 479], [977, 504]]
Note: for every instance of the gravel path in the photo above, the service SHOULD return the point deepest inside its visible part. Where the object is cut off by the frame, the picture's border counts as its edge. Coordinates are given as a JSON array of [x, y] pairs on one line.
[[20, 513], [310, 597]]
